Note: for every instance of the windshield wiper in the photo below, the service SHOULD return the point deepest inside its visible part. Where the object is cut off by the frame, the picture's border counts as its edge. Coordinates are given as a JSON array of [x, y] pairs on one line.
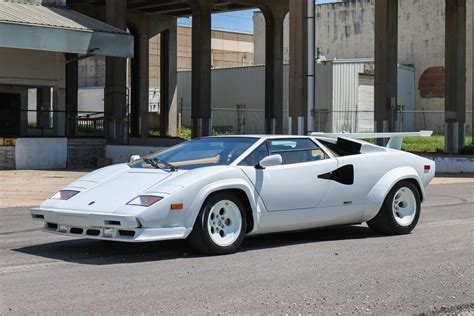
[[156, 163]]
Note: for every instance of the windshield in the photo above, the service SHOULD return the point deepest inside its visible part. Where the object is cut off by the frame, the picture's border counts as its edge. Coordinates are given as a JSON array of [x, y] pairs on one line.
[[197, 153]]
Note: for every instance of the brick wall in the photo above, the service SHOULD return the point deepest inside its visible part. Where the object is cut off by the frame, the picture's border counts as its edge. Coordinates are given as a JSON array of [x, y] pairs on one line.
[[83, 153], [7, 157]]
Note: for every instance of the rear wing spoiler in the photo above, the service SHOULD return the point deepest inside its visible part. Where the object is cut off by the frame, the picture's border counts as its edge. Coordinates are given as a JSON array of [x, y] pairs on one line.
[[394, 142]]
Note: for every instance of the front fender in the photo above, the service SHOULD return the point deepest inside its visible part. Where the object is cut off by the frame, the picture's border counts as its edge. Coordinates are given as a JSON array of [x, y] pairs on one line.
[[377, 195], [226, 184]]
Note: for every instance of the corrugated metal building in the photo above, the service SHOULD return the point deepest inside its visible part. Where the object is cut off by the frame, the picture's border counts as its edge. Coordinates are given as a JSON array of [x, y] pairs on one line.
[[238, 99], [344, 97]]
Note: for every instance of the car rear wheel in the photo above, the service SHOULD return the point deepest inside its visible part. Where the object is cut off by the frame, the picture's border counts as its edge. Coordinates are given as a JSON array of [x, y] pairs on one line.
[[400, 211], [220, 226]]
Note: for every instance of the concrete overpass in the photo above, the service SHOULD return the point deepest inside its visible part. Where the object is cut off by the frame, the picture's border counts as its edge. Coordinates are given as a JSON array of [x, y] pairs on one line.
[[146, 18]]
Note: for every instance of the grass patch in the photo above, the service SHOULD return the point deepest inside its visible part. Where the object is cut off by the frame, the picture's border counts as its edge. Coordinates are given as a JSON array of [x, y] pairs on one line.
[[186, 133], [432, 144]]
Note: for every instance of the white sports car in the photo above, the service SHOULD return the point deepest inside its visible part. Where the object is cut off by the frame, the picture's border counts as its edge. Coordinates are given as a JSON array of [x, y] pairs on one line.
[[216, 190]]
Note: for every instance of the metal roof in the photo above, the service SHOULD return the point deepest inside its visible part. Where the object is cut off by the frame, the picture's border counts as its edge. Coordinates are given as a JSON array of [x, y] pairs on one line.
[[60, 29], [54, 17]]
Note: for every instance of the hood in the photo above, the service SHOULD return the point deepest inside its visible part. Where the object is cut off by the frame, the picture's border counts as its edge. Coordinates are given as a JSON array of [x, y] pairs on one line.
[[111, 192]]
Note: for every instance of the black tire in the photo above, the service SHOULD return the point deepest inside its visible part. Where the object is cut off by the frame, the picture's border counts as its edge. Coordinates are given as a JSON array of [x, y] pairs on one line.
[[385, 223], [201, 241]]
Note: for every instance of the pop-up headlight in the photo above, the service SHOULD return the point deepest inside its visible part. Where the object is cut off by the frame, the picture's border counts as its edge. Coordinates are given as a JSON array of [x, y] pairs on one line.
[[145, 200], [64, 194]]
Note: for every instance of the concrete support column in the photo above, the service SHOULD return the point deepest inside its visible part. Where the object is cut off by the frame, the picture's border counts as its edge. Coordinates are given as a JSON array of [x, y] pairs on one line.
[[43, 107], [386, 55], [72, 87], [140, 87], [168, 81], [59, 108], [201, 68], [299, 62], [455, 77], [115, 92], [274, 17]]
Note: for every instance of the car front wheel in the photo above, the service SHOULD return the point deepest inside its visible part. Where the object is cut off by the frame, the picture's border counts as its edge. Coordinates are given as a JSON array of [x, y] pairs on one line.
[[400, 211], [220, 226]]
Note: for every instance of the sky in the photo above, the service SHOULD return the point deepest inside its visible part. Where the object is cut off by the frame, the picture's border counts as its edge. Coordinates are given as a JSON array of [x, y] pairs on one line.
[[240, 21]]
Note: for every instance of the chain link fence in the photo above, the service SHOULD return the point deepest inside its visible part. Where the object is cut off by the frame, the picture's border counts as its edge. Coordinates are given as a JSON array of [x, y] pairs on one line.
[[246, 120]]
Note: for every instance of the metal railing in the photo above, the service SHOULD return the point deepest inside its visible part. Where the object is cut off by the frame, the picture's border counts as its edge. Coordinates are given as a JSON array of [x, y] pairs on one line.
[[86, 124], [241, 119], [54, 123]]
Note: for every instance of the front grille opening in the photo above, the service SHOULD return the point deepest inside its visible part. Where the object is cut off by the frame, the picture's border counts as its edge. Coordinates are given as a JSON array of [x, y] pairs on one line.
[[75, 230], [93, 232], [127, 233], [38, 216], [115, 223], [52, 226]]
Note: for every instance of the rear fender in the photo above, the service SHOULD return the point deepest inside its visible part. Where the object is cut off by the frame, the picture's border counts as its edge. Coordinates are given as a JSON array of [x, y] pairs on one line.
[[377, 195]]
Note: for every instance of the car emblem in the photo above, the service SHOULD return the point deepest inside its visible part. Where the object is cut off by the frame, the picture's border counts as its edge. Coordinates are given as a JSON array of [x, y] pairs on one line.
[[91, 202]]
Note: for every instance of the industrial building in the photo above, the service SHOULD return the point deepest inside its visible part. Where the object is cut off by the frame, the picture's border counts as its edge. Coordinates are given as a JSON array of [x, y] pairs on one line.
[[344, 97], [228, 49], [346, 30]]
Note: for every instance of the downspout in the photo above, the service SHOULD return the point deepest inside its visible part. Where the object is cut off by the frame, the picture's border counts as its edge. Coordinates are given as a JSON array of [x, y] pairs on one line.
[[311, 67]]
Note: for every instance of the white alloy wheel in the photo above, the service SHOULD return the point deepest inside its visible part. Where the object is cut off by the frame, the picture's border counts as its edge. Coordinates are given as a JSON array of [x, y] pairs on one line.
[[404, 206], [224, 223]]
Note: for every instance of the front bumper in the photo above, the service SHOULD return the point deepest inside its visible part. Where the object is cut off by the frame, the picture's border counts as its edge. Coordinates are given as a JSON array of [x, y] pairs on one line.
[[103, 226]]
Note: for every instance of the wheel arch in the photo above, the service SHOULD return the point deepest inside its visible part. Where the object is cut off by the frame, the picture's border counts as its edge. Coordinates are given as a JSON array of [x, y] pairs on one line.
[[244, 198], [235, 186], [379, 192]]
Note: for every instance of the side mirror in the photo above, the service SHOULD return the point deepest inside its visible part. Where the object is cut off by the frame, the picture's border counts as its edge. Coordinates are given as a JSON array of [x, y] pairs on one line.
[[134, 158], [269, 161]]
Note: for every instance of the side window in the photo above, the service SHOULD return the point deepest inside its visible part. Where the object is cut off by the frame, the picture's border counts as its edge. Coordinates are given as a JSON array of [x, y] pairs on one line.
[[257, 155], [296, 150]]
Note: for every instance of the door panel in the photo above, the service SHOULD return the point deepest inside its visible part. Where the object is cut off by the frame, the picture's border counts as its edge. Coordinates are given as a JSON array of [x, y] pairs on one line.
[[368, 169], [292, 186]]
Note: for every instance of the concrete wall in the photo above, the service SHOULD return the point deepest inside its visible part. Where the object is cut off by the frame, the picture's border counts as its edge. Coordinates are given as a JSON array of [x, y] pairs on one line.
[[259, 38], [41, 153], [452, 164], [346, 30], [31, 68]]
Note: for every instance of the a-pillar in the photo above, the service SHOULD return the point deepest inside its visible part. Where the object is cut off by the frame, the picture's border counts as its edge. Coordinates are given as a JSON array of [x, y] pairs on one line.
[[168, 83], [115, 92], [201, 68], [72, 74], [140, 86], [274, 16], [386, 55], [301, 96], [455, 77]]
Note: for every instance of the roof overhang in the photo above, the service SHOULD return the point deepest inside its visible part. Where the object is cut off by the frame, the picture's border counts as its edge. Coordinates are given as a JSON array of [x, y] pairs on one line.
[[36, 27]]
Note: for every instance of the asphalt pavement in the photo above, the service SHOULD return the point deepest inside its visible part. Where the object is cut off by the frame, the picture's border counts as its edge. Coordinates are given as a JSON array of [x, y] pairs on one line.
[[339, 270]]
